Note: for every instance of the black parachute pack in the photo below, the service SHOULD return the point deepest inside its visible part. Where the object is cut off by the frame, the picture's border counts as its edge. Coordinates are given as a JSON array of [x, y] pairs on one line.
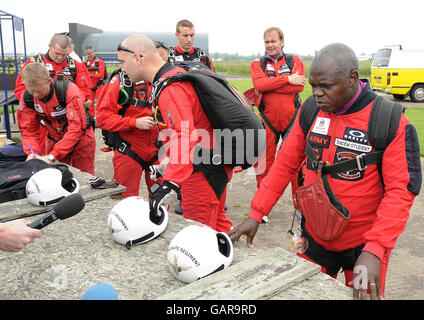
[[297, 101], [15, 175], [126, 99], [241, 133], [61, 89]]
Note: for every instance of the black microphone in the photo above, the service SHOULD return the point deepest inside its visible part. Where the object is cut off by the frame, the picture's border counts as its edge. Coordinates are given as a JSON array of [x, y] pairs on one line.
[[64, 209]]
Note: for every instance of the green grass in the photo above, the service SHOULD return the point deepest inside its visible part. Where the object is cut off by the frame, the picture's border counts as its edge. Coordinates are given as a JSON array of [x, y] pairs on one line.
[[416, 117]]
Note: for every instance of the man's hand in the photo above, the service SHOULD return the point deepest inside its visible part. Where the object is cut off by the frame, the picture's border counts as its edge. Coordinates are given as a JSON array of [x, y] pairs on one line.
[[248, 227], [87, 104], [366, 274], [15, 235], [33, 156], [161, 198], [296, 79], [144, 123]]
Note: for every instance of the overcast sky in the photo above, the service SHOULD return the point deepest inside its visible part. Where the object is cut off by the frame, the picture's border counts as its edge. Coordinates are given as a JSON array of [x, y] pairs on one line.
[[233, 26]]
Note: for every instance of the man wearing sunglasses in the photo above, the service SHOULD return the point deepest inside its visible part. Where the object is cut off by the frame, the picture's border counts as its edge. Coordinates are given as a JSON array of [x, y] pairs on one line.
[[184, 119], [124, 110], [185, 51], [163, 49]]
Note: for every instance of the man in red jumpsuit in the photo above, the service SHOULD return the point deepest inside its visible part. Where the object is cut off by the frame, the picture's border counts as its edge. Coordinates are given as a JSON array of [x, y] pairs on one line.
[[278, 86], [187, 126], [378, 213], [59, 65], [185, 51], [69, 140], [136, 126], [96, 69]]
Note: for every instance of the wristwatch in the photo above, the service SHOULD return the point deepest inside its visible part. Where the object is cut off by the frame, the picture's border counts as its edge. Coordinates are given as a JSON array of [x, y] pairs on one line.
[[51, 157]]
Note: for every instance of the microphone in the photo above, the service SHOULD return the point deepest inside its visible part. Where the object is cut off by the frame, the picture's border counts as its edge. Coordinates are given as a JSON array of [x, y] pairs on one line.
[[64, 209]]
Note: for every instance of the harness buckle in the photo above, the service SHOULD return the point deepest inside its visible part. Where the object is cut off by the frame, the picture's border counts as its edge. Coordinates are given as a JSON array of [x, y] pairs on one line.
[[360, 162], [122, 147]]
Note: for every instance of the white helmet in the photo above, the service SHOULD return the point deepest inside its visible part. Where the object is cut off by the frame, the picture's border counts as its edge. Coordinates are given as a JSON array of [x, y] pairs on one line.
[[130, 223], [45, 187], [198, 251]]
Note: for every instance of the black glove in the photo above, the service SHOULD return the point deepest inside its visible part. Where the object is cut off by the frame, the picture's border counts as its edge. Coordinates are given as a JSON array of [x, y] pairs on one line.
[[161, 198]]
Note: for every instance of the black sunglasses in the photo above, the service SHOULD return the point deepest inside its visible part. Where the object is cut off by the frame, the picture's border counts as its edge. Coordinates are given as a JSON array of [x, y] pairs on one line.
[[159, 44], [121, 48]]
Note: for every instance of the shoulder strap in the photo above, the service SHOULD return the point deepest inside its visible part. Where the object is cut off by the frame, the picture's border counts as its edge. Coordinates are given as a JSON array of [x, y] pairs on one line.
[[384, 122], [72, 67], [61, 89], [307, 115], [289, 61], [28, 99], [263, 63]]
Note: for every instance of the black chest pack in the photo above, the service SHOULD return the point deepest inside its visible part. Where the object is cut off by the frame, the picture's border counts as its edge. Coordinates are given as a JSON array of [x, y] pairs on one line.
[[61, 89], [126, 99], [68, 73], [198, 55], [238, 129], [297, 100]]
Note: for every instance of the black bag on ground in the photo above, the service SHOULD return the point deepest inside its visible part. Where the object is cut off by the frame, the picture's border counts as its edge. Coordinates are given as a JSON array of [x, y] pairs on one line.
[[15, 175]]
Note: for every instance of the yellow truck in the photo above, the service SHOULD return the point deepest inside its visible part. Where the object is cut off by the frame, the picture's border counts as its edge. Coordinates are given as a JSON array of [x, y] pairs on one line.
[[399, 72]]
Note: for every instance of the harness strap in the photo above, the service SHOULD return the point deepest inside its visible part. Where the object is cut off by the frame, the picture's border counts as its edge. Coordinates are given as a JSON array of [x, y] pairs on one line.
[[269, 124], [124, 147], [360, 162]]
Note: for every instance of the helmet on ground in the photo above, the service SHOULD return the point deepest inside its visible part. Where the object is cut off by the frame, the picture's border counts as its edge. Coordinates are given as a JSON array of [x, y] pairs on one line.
[[198, 251], [47, 186], [130, 223]]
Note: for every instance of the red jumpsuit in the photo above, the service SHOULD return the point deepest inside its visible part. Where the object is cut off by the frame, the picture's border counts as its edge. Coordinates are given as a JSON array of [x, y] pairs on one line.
[[278, 98], [96, 69], [377, 217], [69, 140], [127, 171], [187, 125], [82, 80]]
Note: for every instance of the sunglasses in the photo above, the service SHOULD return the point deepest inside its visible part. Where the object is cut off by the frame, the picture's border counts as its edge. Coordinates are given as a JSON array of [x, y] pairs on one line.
[[159, 44], [121, 48]]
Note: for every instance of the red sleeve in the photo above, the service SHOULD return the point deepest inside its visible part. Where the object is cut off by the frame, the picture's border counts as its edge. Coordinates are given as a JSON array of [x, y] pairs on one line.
[[287, 162], [276, 84], [393, 211], [82, 80], [77, 124], [107, 116], [176, 104], [29, 127]]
